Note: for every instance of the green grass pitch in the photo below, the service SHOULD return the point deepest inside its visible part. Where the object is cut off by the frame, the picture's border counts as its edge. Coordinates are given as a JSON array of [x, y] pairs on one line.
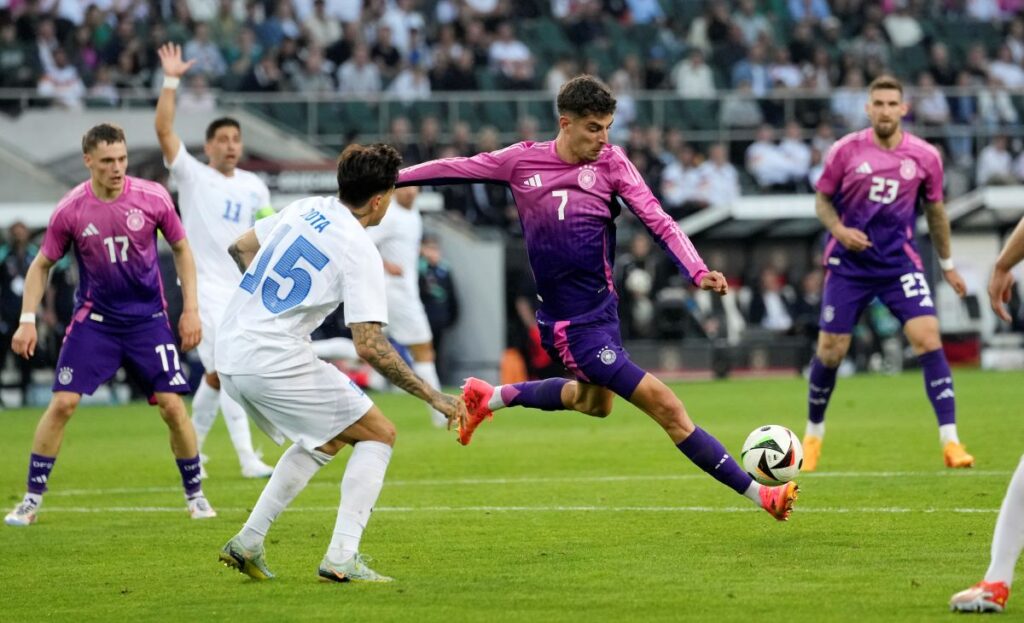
[[545, 517]]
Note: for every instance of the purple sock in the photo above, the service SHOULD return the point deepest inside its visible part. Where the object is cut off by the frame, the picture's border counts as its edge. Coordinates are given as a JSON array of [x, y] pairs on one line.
[[938, 384], [189, 469], [822, 382], [545, 395], [39, 468], [709, 454]]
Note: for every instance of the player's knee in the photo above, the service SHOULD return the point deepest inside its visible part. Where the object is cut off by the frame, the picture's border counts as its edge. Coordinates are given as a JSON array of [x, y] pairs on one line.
[[831, 355], [64, 405], [387, 434]]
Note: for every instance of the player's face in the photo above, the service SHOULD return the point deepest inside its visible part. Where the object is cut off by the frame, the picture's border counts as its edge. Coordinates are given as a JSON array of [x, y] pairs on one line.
[[885, 109], [225, 149], [379, 204], [587, 135], [108, 164]]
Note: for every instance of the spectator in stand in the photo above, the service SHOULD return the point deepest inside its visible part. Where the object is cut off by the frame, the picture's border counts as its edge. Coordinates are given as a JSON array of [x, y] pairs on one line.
[[1004, 69], [321, 29], [902, 26], [870, 44], [1015, 39], [849, 102], [62, 82], [767, 163], [196, 97], [559, 73], [751, 23], [402, 17], [719, 182], [783, 72], [511, 57], [447, 45], [103, 91], [15, 257], [941, 69], [638, 277], [739, 109], [995, 164], [772, 302], [345, 11], [753, 70], [205, 53], [411, 84], [692, 77], [315, 76], [984, 10], [995, 108], [400, 137], [977, 62], [46, 43], [18, 67], [798, 154], [359, 75], [455, 77], [430, 138], [437, 291], [824, 137], [680, 183], [808, 10], [817, 167], [226, 26], [929, 104]]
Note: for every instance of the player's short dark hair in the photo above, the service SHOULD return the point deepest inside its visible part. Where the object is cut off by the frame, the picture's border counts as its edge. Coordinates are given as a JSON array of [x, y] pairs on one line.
[[585, 95], [223, 122], [102, 133], [366, 170], [886, 81]]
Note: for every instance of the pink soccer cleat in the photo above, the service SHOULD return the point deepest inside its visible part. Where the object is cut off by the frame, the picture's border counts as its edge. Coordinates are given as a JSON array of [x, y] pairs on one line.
[[476, 394], [779, 500]]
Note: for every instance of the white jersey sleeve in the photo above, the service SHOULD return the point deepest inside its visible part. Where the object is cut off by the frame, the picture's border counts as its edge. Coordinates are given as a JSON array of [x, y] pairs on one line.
[[363, 284], [184, 168], [263, 227]]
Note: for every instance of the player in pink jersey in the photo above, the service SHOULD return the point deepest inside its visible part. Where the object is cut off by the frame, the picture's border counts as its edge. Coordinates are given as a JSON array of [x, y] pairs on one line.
[[567, 192], [867, 195], [120, 315]]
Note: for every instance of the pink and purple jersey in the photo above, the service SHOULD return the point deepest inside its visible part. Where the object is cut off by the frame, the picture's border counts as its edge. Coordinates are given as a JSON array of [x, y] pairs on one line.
[[568, 216], [116, 248], [877, 190]]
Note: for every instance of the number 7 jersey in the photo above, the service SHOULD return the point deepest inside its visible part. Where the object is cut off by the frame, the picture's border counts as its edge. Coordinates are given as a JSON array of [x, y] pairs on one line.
[[876, 190], [313, 256]]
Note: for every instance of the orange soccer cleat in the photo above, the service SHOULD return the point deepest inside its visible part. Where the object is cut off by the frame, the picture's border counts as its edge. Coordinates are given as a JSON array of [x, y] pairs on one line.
[[476, 394], [955, 455], [779, 500], [812, 450], [982, 597]]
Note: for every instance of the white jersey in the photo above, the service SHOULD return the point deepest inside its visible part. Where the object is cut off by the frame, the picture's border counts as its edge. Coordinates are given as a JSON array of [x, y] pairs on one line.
[[313, 256], [215, 211], [398, 240]]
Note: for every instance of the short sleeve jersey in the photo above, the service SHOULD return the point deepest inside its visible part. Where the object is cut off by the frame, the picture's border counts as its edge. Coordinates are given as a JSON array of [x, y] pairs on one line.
[[313, 256], [115, 243], [877, 191]]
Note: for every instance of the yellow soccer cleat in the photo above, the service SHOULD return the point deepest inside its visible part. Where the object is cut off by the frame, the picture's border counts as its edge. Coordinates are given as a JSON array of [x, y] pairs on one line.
[[812, 450], [955, 455]]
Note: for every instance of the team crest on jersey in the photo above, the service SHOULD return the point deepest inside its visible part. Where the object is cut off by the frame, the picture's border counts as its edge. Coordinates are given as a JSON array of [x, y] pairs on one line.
[[65, 375], [908, 169], [608, 356], [587, 177], [135, 220]]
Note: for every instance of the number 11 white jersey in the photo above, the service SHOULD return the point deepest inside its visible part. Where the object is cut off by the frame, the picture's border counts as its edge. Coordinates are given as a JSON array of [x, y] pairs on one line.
[[313, 256]]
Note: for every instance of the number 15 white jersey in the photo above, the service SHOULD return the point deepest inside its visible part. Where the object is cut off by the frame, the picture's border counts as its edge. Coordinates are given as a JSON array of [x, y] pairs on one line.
[[313, 256]]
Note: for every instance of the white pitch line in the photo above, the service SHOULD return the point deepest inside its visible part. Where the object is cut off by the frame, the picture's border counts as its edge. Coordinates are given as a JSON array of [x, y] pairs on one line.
[[540, 509], [447, 482]]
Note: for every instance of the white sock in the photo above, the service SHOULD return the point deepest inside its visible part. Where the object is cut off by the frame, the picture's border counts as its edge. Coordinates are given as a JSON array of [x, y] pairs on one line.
[[427, 371], [815, 429], [360, 487], [238, 428], [496, 401], [754, 492], [335, 348], [291, 475], [35, 498], [1008, 539], [947, 433], [204, 410]]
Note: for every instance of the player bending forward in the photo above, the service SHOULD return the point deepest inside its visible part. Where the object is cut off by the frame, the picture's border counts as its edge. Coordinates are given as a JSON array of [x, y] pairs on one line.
[[866, 198], [566, 191], [120, 314], [300, 265], [991, 593]]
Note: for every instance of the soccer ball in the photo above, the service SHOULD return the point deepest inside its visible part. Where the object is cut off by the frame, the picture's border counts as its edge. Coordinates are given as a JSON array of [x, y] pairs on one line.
[[772, 455]]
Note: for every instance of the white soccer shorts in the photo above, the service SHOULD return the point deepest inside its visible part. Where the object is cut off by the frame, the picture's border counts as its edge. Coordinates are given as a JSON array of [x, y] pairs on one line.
[[407, 321]]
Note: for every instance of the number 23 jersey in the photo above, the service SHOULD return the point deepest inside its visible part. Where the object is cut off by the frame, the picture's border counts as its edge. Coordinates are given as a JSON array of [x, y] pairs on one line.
[[313, 256], [876, 190]]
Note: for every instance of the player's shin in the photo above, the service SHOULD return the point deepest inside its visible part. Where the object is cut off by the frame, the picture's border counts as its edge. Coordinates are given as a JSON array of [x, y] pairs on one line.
[[820, 385], [1008, 539], [292, 473], [545, 395], [360, 487], [710, 455], [938, 384]]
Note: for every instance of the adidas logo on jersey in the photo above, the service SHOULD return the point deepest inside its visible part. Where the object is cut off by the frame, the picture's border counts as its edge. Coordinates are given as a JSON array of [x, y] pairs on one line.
[[90, 230], [178, 379], [533, 180], [864, 169]]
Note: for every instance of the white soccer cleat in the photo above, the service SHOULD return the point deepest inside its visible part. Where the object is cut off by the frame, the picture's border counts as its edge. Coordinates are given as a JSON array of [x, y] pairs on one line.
[[257, 469], [199, 508], [23, 515]]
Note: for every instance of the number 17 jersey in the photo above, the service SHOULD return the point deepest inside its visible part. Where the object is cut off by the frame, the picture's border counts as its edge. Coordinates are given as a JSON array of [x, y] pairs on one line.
[[313, 256], [876, 190]]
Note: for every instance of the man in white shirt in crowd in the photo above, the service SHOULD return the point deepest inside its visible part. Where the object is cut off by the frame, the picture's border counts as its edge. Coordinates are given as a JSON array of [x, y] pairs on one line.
[[766, 162]]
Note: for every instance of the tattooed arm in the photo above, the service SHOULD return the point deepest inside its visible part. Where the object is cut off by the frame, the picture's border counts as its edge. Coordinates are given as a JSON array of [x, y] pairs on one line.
[[244, 249], [374, 347]]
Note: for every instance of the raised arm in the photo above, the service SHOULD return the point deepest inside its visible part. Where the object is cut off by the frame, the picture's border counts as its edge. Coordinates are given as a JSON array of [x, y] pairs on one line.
[[174, 68], [938, 230], [25, 338], [374, 347], [189, 327]]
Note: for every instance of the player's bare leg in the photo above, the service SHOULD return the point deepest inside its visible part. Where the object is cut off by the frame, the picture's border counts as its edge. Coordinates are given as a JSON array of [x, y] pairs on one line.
[[183, 445], [659, 402], [45, 445], [832, 348], [923, 334], [424, 366]]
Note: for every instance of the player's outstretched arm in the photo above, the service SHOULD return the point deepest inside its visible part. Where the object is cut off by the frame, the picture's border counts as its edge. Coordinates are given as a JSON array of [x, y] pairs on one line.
[[174, 68], [374, 347], [189, 326], [1001, 284], [715, 281], [938, 229], [852, 239], [24, 341]]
